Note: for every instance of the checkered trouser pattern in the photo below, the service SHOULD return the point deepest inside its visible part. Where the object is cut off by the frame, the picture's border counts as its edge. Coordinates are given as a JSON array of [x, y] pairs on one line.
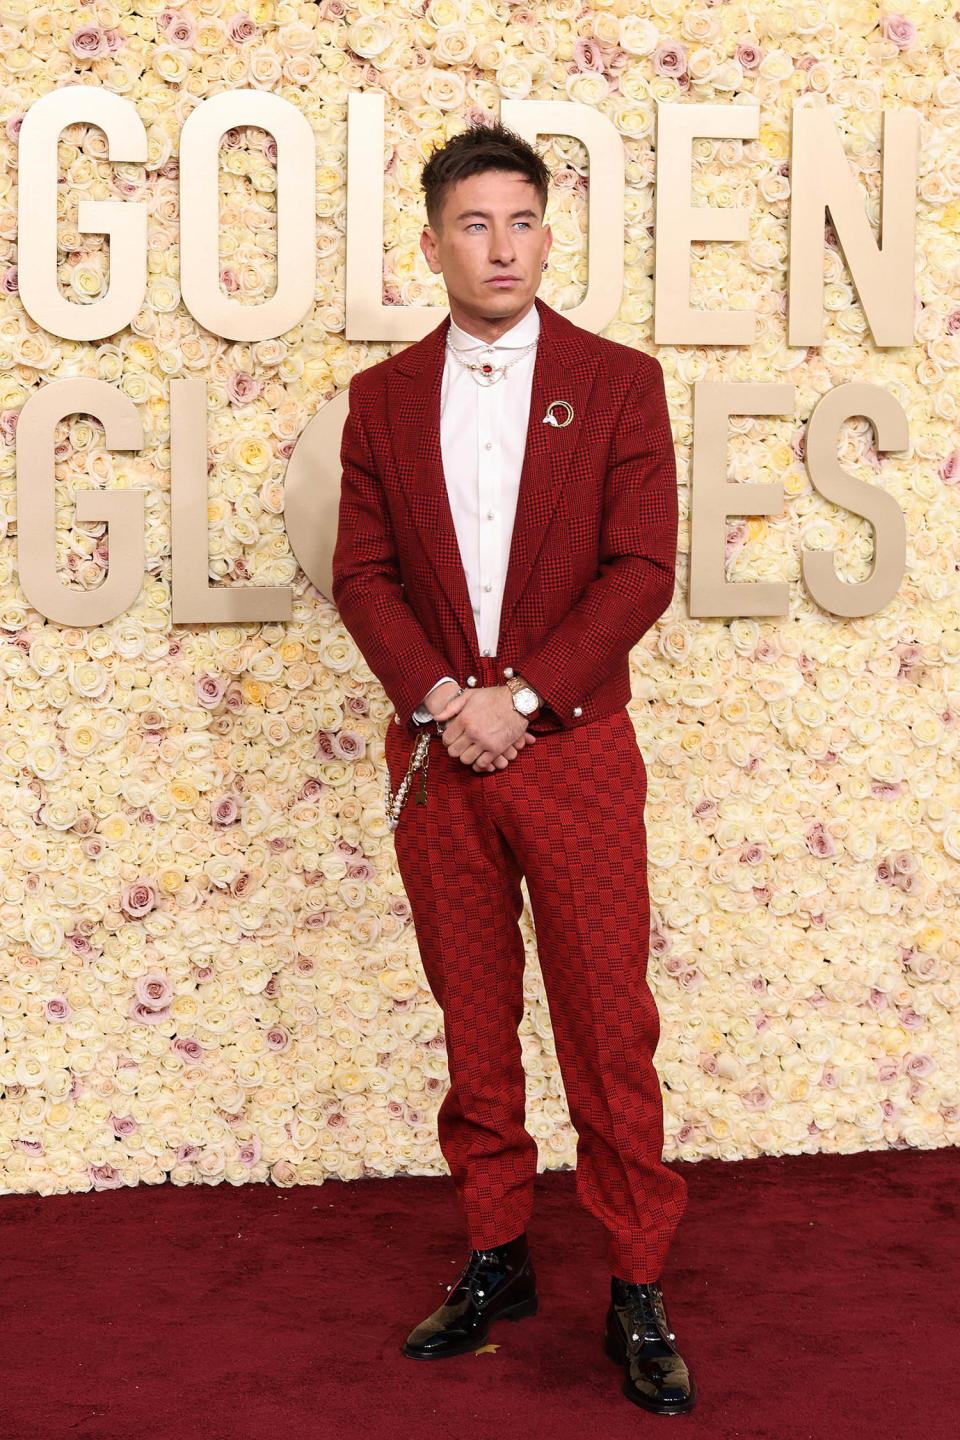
[[567, 814]]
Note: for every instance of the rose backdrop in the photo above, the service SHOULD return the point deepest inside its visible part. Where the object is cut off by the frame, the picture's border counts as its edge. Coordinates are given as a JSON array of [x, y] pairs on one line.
[[209, 969]]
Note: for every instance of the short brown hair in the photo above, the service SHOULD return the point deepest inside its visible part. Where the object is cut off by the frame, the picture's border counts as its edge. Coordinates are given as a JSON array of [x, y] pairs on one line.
[[481, 147]]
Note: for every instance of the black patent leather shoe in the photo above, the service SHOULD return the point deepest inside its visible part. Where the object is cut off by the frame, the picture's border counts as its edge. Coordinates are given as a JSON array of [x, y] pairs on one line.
[[640, 1338], [497, 1284]]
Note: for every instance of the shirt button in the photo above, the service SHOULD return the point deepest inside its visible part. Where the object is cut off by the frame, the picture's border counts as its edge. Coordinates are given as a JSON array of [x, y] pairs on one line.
[[488, 586], [491, 514], [577, 713], [488, 445]]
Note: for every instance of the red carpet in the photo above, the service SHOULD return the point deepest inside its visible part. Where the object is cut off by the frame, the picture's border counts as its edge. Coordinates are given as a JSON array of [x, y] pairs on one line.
[[814, 1297]]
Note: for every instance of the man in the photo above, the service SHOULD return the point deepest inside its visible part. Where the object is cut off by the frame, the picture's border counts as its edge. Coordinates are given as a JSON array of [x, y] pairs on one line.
[[507, 533]]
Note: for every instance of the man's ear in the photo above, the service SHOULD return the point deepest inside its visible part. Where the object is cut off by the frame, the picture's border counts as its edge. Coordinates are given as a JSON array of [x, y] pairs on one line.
[[428, 244]]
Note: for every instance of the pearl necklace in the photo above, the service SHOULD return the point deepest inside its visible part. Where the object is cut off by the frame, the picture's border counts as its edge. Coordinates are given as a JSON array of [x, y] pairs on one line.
[[485, 373]]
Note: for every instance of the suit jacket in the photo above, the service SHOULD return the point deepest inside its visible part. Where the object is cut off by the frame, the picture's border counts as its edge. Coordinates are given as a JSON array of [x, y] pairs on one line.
[[593, 551]]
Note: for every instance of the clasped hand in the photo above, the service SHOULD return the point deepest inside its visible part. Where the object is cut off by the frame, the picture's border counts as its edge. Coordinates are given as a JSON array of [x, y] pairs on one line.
[[481, 727]]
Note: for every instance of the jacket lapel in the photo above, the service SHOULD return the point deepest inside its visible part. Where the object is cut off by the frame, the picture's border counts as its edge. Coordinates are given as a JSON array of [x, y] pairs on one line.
[[563, 370]]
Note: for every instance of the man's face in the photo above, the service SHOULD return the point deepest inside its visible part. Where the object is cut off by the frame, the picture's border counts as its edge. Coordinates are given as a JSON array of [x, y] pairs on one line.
[[489, 245]]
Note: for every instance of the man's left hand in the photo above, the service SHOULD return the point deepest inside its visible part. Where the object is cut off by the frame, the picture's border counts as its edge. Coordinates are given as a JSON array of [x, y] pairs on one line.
[[482, 728]]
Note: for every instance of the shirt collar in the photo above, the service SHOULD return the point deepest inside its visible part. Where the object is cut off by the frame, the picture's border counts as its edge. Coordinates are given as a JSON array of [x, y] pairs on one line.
[[523, 333]]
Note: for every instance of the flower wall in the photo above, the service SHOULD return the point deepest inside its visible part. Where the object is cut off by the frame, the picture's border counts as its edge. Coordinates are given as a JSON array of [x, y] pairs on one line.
[[209, 971]]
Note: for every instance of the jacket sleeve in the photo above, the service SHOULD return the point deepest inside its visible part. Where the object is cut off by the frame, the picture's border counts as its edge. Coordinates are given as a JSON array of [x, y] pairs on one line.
[[367, 588], [637, 556]]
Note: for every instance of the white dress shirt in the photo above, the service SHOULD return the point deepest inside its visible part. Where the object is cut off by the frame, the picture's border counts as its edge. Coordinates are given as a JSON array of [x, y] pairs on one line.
[[483, 435]]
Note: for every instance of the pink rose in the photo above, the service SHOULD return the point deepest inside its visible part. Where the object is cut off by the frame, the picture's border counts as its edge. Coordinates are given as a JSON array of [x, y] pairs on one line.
[[670, 59], [748, 54], [886, 789], [755, 1099], [145, 1015], [138, 898], [57, 1009], [953, 322], [89, 42], [31, 1147], [348, 745], [153, 989], [587, 55], [250, 1151], [901, 31], [949, 470], [186, 1153], [188, 1049], [325, 745], [735, 537], [753, 853], [179, 29], [241, 28], [9, 281], [123, 1124], [242, 388], [230, 280], [919, 1066], [277, 1038], [820, 842], [104, 1177], [225, 810], [13, 124], [209, 690]]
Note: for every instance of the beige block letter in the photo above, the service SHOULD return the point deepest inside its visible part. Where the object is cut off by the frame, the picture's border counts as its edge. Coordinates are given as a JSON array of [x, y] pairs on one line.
[[713, 498], [200, 215], [835, 484], [821, 180], [678, 222], [123, 510], [195, 600], [125, 221]]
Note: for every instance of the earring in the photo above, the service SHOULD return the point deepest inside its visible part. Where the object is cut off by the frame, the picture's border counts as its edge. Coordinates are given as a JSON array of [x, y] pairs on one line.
[[544, 265]]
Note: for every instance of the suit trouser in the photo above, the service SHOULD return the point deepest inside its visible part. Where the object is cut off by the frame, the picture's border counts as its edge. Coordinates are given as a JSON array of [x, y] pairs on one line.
[[567, 814]]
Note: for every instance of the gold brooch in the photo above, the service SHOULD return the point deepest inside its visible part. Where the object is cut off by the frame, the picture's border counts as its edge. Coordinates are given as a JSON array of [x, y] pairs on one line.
[[565, 409]]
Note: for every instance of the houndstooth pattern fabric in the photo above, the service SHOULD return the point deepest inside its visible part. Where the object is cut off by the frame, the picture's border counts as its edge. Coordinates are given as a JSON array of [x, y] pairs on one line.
[[593, 550], [567, 814]]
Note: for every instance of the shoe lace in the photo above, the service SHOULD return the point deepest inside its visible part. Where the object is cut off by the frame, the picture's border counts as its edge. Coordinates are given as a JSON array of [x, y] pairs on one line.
[[645, 1308], [479, 1261]]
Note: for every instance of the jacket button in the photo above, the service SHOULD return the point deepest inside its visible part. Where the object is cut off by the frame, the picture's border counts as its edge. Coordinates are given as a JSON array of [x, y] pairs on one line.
[[396, 719], [471, 679], [577, 713], [508, 672]]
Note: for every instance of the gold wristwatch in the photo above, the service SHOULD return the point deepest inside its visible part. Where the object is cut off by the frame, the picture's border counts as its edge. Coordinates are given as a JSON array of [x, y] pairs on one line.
[[526, 701]]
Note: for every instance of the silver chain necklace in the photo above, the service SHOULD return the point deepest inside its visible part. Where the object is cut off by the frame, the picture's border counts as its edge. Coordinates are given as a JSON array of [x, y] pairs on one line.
[[485, 373]]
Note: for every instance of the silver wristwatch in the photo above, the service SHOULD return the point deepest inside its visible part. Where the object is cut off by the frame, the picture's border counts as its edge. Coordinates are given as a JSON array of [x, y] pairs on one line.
[[525, 701]]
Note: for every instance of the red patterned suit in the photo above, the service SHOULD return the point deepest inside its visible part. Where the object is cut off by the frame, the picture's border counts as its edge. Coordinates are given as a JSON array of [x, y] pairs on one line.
[[591, 567]]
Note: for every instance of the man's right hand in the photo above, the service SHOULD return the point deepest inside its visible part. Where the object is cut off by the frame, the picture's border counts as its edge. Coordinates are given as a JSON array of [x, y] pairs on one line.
[[445, 697]]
